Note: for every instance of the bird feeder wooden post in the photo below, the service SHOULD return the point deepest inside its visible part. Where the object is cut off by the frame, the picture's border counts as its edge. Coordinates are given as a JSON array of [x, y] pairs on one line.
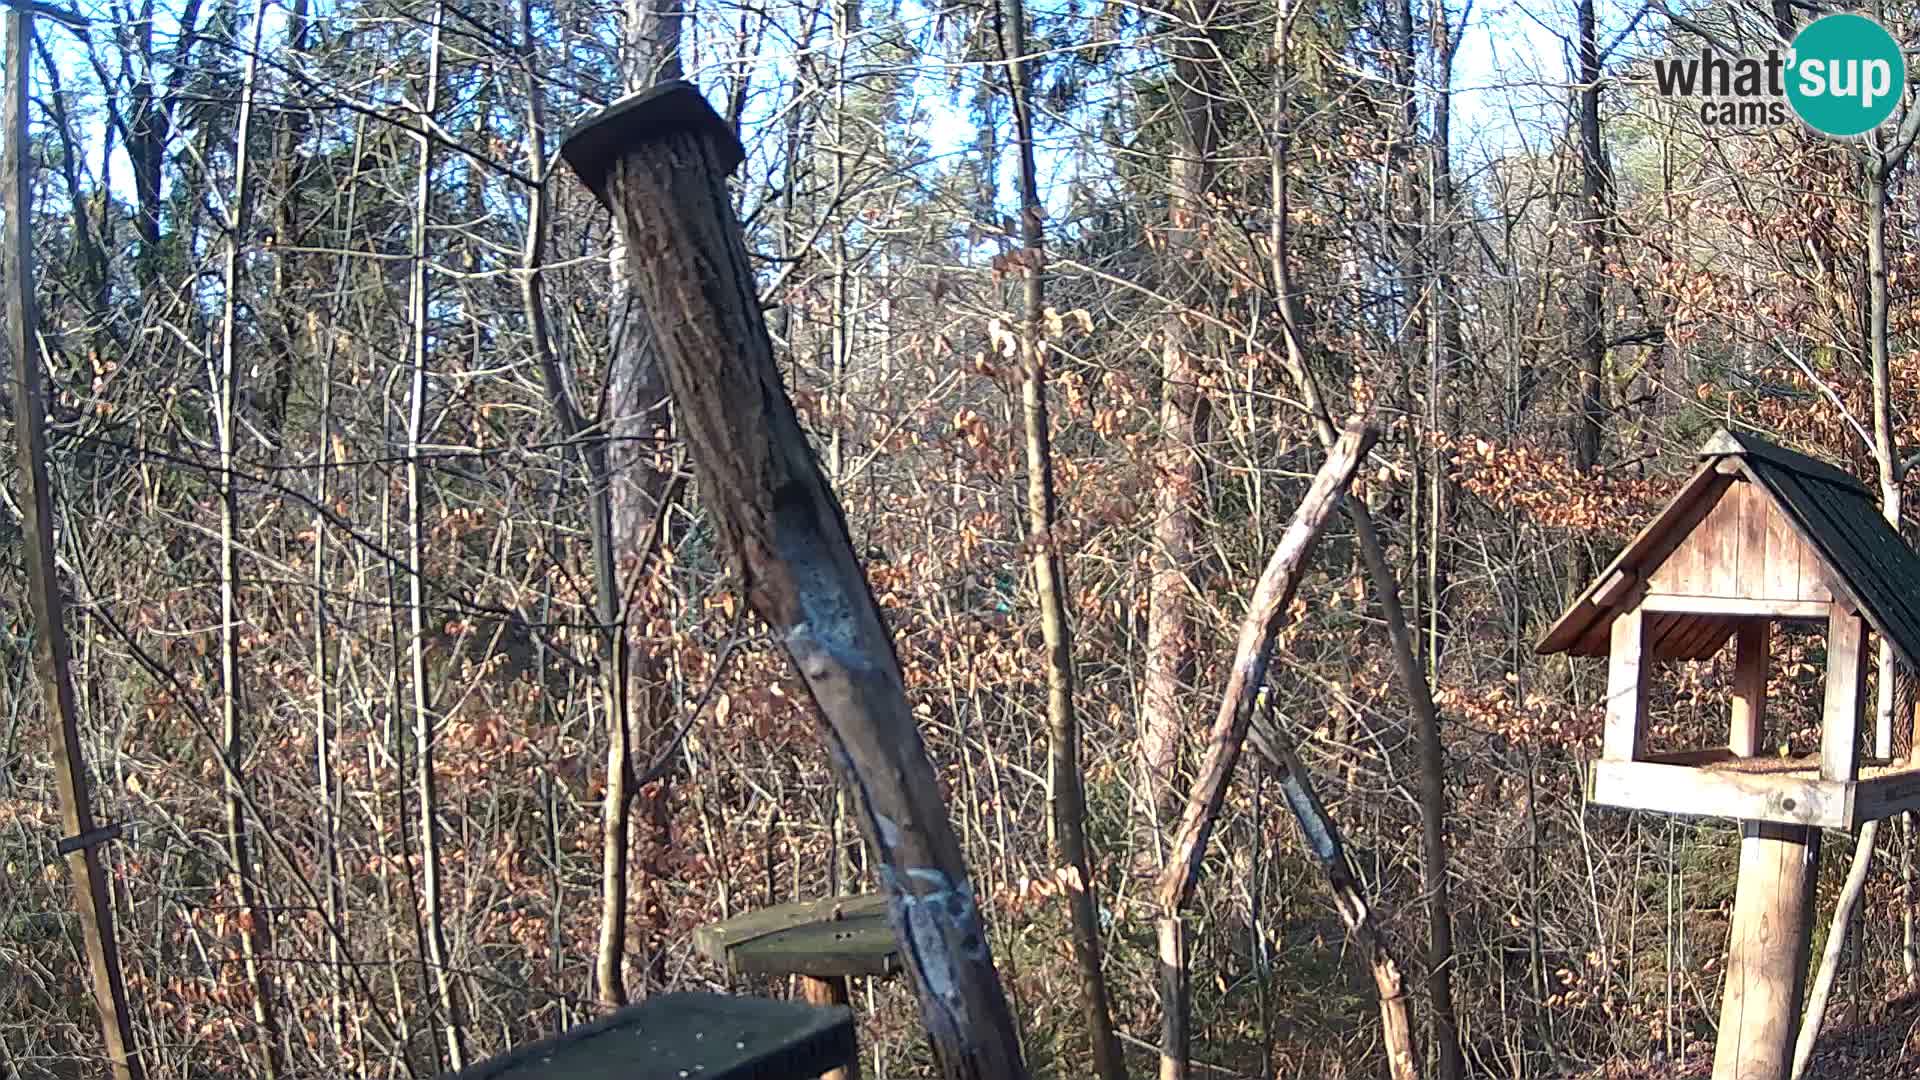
[[1759, 534], [659, 160]]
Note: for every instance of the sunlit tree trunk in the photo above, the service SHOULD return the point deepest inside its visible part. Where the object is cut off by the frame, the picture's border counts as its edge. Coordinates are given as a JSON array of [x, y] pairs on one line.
[[1064, 778], [1177, 464], [424, 724], [256, 931]]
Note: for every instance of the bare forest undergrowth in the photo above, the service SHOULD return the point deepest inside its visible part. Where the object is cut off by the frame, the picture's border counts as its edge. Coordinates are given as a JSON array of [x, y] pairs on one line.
[[406, 653]]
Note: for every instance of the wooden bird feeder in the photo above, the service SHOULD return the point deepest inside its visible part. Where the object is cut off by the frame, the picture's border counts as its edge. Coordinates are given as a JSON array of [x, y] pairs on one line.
[[1758, 535], [822, 942]]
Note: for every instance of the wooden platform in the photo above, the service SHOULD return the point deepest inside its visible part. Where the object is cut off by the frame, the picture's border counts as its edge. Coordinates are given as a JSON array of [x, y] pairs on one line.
[[823, 939], [674, 1036], [1717, 783]]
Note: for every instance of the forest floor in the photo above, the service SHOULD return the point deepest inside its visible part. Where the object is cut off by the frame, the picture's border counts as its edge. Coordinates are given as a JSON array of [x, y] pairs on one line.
[[1881, 1044]]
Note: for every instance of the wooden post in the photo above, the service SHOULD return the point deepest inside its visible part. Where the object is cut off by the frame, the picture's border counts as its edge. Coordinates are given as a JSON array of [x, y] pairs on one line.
[[830, 991], [1846, 686], [1627, 668], [92, 891], [659, 160], [1751, 644], [1767, 951]]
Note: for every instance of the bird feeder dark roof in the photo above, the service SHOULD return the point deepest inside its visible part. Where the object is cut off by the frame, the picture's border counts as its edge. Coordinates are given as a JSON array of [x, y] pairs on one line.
[[1797, 534]]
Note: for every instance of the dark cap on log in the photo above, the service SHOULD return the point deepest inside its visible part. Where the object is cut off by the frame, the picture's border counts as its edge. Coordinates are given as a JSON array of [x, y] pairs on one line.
[[671, 108]]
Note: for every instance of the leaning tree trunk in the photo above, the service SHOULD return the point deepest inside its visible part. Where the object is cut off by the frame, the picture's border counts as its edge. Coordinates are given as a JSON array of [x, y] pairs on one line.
[[1266, 614], [92, 890], [660, 162], [1177, 461], [1386, 587]]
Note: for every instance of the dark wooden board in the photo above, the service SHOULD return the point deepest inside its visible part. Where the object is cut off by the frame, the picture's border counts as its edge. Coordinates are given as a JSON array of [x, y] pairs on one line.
[[593, 146], [820, 938], [677, 1036]]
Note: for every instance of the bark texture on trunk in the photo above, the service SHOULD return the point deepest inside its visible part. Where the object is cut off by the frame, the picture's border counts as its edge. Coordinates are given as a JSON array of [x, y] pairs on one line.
[[1177, 467], [661, 163]]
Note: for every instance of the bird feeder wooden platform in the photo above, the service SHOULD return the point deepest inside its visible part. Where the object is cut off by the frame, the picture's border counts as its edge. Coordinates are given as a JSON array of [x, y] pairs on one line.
[[673, 1036], [823, 942], [1758, 535]]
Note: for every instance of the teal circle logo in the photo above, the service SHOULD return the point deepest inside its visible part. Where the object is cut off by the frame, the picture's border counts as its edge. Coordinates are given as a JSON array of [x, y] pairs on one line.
[[1846, 75]]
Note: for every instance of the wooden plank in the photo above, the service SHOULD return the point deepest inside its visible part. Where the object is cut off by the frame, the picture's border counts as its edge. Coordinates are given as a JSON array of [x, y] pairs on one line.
[[1694, 637], [864, 946], [1628, 668], [831, 992], [669, 1036], [1719, 539], [1735, 606], [1752, 641], [1755, 508], [1615, 587], [1704, 639], [1886, 796], [1913, 740], [1706, 755], [1781, 577], [715, 940], [1846, 688], [1767, 951], [1645, 553], [1662, 631], [1685, 789], [1888, 679]]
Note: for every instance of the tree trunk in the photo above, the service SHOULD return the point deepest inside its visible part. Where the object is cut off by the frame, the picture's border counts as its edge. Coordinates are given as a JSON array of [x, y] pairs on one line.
[[424, 734], [624, 470], [1590, 346], [1441, 334], [660, 162], [256, 936], [1177, 467], [1050, 582], [92, 890]]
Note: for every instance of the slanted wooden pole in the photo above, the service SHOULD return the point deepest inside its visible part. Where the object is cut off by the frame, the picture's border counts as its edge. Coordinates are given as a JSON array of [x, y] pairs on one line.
[[659, 160], [92, 892]]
